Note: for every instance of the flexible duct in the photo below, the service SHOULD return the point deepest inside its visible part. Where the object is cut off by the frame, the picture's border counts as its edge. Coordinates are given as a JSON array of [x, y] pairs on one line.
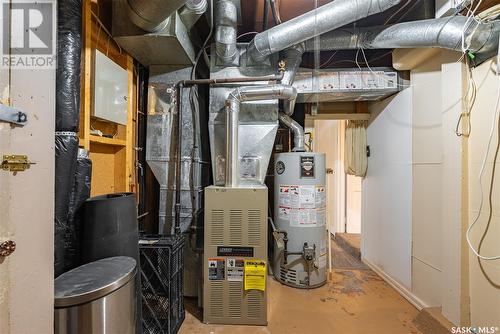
[[297, 131], [325, 18], [152, 15], [442, 32], [235, 98], [226, 21]]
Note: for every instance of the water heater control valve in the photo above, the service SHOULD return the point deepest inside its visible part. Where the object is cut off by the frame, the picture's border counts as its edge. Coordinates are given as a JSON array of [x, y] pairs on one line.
[[309, 252]]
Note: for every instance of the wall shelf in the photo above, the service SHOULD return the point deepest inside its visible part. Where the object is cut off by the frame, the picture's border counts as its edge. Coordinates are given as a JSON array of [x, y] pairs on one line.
[[107, 141], [113, 167]]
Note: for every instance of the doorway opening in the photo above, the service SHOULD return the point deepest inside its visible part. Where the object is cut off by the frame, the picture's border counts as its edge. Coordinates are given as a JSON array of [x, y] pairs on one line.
[[344, 194]]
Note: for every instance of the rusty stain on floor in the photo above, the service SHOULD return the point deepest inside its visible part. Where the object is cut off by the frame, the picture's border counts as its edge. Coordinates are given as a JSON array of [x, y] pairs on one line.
[[354, 302]]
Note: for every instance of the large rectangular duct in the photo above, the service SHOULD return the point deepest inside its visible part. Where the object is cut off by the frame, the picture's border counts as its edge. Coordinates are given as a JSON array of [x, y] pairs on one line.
[[161, 145], [171, 45]]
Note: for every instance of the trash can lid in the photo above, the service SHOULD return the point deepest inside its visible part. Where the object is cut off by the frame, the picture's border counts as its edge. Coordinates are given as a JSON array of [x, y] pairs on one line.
[[93, 280]]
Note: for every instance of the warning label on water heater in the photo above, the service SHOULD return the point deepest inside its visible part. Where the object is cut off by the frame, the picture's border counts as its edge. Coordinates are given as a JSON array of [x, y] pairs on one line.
[[302, 205]]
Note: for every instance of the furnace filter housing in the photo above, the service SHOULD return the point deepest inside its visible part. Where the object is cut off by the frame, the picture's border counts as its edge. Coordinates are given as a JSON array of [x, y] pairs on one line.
[[300, 211]]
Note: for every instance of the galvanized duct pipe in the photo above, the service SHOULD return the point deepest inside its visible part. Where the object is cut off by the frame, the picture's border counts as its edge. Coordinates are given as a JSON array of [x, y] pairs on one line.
[[235, 98], [292, 57], [442, 32], [297, 130], [325, 18], [152, 15], [192, 11], [226, 21]]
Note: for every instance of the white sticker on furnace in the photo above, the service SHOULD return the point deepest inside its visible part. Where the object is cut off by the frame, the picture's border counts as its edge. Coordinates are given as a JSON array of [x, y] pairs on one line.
[[235, 270]]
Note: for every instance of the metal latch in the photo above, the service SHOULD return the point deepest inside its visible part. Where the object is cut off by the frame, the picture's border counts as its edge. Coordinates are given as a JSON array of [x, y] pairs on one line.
[[12, 115], [16, 163], [7, 247]]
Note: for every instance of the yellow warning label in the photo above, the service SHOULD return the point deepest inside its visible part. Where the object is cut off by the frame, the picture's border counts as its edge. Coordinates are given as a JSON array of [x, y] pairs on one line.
[[255, 275]]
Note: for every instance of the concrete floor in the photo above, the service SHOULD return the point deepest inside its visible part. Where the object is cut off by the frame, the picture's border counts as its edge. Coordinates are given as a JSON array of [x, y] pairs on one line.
[[354, 302]]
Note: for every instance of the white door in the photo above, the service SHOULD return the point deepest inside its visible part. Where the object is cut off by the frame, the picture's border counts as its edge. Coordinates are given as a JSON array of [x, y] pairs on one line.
[[326, 141], [353, 204], [27, 201]]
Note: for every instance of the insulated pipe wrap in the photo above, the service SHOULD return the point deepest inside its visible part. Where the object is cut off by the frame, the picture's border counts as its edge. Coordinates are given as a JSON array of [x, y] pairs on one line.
[[442, 32], [226, 21], [325, 18], [151, 15], [69, 50]]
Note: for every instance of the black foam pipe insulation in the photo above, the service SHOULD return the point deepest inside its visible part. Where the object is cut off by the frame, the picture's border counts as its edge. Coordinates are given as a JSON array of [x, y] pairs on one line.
[[66, 147], [69, 49], [79, 194]]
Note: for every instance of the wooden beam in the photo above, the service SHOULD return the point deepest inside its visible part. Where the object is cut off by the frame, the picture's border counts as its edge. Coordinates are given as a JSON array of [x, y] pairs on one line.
[[86, 94], [129, 153], [343, 116]]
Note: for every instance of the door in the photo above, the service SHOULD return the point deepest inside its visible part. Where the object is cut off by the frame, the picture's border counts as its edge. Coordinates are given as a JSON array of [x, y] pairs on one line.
[[27, 197], [353, 204], [326, 141]]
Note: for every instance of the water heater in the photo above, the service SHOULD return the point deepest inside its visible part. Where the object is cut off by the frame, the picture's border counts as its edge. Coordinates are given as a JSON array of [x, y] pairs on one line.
[[300, 244]]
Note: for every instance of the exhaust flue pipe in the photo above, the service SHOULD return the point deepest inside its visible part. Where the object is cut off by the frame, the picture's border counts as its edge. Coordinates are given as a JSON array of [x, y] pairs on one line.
[[151, 15], [444, 33], [235, 98], [316, 22], [297, 131], [226, 22]]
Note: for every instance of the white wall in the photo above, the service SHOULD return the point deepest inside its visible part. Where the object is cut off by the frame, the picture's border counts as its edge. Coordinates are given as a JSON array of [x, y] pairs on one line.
[[485, 281], [386, 212]]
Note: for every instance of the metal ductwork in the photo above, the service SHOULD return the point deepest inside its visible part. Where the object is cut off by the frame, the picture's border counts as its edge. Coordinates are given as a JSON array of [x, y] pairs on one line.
[[292, 57], [316, 22], [226, 21], [297, 130], [152, 15], [444, 32], [235, 98], [192, 11]]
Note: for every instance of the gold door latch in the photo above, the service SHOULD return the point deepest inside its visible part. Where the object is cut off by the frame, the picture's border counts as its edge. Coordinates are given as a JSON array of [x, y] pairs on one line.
[[7, 247], [16, 163]]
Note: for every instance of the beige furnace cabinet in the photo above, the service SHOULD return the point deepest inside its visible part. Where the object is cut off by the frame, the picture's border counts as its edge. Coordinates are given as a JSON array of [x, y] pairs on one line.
[[235, 259]]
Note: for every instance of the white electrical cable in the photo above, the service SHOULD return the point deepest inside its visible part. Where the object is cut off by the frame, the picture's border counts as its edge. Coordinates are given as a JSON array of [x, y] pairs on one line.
[[476, 219]]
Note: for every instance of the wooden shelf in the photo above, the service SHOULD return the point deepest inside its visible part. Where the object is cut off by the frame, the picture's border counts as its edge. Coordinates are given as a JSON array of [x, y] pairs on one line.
[[113, 159], [107, 141]]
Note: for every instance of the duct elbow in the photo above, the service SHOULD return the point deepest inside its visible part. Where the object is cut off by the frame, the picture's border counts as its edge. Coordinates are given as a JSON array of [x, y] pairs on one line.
[[192, 11], [297, 131], [226, 20], [151, 15]]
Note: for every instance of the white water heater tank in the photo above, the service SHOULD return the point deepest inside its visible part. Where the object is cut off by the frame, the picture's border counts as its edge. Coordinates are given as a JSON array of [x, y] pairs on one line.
[[300, 246]]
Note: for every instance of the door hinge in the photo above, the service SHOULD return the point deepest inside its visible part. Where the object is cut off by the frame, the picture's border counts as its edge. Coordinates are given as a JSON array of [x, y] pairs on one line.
[[12, 115], [15, 163]]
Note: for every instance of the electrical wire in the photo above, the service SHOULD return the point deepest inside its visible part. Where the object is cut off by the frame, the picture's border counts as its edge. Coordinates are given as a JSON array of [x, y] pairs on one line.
[[496, 122], [247, 33]]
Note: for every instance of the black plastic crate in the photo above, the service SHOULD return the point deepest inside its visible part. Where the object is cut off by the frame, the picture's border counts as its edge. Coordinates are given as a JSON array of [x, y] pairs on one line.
[[162, 267]]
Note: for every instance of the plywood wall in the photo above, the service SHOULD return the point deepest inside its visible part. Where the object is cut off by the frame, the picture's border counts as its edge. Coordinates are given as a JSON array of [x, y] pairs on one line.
[[386, 193]]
